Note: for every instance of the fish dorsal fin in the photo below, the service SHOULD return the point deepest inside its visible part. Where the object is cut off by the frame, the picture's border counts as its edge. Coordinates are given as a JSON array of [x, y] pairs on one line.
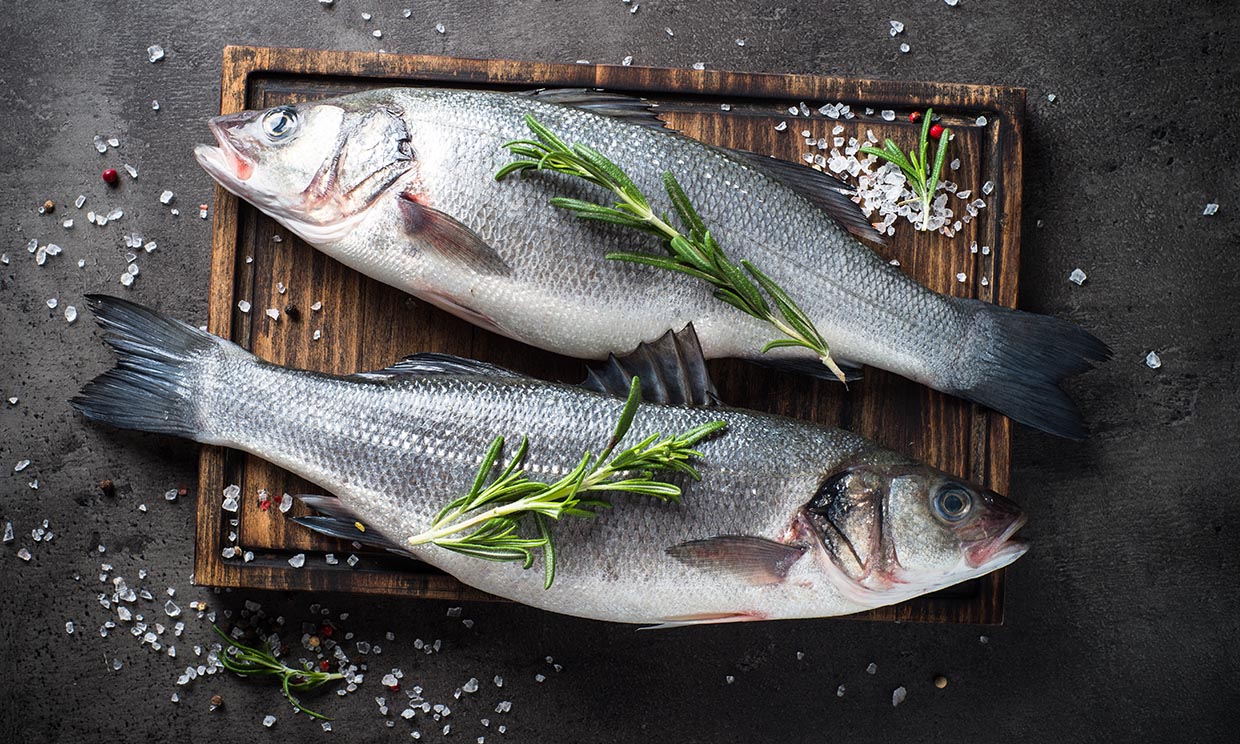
[[823, 189], [429, 363], [629, 108], [342, 523], [448, 237], [672, 371], [754, 560]]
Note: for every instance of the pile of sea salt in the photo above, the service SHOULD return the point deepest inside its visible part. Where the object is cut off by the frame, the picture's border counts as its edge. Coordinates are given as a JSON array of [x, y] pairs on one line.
[[882, 191]]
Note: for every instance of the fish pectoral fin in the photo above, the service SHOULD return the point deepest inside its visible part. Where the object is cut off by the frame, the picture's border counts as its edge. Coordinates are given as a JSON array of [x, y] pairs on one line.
[[755, 560], [616, 105], [823, 189], [449, 237], [426, 364], [671, 369], [704, 618], [342, 523]]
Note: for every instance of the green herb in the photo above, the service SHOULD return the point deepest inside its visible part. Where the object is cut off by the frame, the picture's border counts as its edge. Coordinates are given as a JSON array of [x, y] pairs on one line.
[[485, 523], [251, 662], [695, 252], [922, 179]]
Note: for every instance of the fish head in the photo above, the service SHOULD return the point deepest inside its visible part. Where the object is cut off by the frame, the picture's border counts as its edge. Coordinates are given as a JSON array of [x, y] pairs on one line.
[[315, 167], [892, 532]]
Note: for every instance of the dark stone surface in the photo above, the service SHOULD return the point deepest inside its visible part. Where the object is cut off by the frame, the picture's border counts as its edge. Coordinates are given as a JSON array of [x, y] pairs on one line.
[[1122, 618]]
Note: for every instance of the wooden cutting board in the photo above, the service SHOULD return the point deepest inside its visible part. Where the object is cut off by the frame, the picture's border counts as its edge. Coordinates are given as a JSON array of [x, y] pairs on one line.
[[365, 325]]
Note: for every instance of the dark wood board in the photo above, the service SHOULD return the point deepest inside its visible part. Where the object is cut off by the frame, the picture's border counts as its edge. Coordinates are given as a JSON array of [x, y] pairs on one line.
[[366, 325]]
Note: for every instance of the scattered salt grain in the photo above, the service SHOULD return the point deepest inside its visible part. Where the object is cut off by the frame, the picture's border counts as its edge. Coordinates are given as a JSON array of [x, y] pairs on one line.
[[171, 494], [905, 48], [839, 691], [740, 42], [24, 555], [898, 695], [872, 668], [21, 465], [781, 126], [1152, 360], [725, 107], [243, 306], [952, 3], [1211, 209], [317, 306], [171, 609], [52, 303], [628, 60], [317, 335], [116, 664], [67, 224], [352, 560], [888, 115], [154, 105], [231, 498], [286, 503], [669, 31], [132, 171], [896, 28], [471, 686], [166, 197], [154, 53], [377, 34], [100, 146], [269, 721], [407, 12], [729, 679], [540, 678], [699, 65], [1051, 97], [298, 560], [1077, 277], [273, 313], [961, 277], [439, 28], [70, 314], [981, 121]]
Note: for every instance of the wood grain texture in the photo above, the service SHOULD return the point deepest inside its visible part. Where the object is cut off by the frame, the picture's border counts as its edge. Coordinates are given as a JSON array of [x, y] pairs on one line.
[[366, 325]]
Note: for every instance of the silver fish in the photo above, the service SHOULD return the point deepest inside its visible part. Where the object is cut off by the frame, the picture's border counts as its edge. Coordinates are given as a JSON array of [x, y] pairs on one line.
[[399, 185], [789, 519]]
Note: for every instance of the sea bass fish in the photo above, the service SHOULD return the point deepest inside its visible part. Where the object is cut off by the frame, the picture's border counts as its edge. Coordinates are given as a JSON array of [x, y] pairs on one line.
[[399, 184], [788, 520]]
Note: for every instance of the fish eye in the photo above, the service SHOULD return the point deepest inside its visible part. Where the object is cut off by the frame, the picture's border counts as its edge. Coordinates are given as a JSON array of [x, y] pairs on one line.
[[952, 503], [279, 122]]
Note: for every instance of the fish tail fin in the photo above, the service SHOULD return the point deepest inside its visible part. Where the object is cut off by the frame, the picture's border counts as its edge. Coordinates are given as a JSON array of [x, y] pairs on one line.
[[1017, 361], [158, 373]]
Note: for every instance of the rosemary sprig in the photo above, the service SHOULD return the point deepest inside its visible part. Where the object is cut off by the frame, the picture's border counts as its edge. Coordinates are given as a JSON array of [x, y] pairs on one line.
[[252, 662], [695, 252], [485, 523], [923, 181]]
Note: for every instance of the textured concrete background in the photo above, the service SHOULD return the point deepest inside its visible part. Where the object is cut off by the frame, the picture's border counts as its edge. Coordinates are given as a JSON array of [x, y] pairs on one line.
[[1122, 619]]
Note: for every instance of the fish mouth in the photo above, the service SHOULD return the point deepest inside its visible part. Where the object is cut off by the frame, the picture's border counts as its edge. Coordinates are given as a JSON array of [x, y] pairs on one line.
[[223, 162], [1000, 550]]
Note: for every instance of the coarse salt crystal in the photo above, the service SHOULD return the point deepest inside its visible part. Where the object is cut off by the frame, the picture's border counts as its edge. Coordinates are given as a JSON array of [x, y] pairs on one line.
[[273, 313], [70, 314], [981, 121], [628, 60], [905, 48], [440, 28], [699, 65], [166, 197], [839, 691], [377, 34], [52, 303], [888, 115], [298, 560], [961, 277], [243, 306], [154, 53], [1152, 360], [871, 668], [1210, 209], [898, 695], [24, 555], [286, 503], [1077, 277], [896, 28], [269, 721], [21, 465], [132, 171]]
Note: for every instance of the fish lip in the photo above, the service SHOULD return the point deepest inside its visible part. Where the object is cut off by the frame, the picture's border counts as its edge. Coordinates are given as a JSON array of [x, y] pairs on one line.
[[1001, 550], [223, 162]]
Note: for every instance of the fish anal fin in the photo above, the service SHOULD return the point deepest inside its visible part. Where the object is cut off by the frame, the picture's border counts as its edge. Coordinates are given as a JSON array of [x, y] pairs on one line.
[[704, 618], [821, 188], [754, 560], [449, 237], [671, 368]]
